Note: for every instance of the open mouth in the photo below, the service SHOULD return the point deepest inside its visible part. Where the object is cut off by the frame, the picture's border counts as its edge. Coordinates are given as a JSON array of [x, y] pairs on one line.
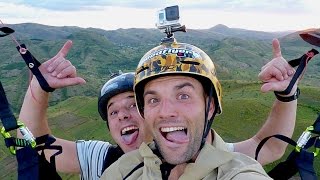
[[129, 134], [175, 134]]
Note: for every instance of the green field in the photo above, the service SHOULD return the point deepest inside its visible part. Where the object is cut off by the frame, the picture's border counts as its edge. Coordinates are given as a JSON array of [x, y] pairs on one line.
[[244, 111]]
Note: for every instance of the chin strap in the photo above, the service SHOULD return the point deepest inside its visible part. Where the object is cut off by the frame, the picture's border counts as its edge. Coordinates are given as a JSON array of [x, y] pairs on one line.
[[208, 123]]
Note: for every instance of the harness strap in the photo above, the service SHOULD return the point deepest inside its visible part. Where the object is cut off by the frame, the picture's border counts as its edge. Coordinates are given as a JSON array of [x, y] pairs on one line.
[[286, 169], [304, 162], [302, 62], [47, 170], [133, 170], [113, 154], [8, 120], [15, 142], [278, 136], [311, 37], [6, 31], [165, 169], [33, 64], [32, 165], [316, 126], [299, 160]]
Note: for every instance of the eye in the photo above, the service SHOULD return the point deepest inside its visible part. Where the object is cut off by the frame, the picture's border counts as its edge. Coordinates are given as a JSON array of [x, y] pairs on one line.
[[132, 105], [183, 96], [113, 113], [153, 101]]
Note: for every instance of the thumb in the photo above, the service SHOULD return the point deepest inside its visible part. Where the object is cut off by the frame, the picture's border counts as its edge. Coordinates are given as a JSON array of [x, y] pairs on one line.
[[71, 82], [276, 51], [266, 87], [273, 86]]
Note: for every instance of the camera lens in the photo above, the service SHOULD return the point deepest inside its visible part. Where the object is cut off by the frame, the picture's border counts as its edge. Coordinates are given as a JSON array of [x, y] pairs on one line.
[[172, 13]]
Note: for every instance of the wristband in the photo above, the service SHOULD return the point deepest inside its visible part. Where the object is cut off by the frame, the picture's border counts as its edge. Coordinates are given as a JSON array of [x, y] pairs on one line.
[[289, 98]]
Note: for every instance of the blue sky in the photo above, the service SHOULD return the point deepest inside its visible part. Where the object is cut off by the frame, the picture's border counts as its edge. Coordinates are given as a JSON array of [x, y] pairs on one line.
[[264, 15]]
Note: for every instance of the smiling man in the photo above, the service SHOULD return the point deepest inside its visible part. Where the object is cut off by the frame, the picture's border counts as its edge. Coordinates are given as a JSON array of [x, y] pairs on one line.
[[178, 95], [117, 107], [125, 132], [175, 111]]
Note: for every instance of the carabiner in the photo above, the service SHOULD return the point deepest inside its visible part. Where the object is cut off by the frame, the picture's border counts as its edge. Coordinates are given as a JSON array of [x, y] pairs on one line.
[[6, 135], [27, 135], [304, 138], [317, 148]]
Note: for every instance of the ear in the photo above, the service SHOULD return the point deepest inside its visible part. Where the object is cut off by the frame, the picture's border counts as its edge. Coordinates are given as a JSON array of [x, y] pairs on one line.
[[212, 106]]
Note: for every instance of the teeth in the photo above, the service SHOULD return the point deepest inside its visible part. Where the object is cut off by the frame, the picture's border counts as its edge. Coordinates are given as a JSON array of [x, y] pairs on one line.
[[124, 130], [170, 129]]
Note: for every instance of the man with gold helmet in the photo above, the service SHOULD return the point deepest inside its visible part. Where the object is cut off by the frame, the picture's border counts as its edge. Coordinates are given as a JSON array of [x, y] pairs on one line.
[[178, 94]]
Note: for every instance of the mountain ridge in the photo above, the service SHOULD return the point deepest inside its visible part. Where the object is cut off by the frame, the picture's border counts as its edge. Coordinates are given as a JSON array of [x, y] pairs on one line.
[[237, 53]]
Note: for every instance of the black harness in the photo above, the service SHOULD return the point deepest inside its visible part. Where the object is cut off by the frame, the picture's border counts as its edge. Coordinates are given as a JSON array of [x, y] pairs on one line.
[[113, 154], [31, 164], [299, 160]]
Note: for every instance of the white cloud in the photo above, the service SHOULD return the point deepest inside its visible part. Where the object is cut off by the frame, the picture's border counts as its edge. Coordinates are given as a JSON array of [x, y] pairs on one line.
[[248, 14]]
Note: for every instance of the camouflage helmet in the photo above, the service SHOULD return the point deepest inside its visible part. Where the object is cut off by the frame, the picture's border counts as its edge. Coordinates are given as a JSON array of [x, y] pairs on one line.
[[119, 84], [176, 58]]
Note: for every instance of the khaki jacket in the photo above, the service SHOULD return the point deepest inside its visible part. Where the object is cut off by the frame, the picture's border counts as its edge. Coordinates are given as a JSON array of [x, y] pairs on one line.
[[213, 162]]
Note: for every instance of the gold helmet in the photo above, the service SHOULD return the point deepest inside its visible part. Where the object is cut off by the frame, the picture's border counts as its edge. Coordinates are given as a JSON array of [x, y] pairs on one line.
[[176, 58]]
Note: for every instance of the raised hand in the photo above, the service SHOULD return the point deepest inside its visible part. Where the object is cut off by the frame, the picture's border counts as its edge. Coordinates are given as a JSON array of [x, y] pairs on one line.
[[58, 71], [277, 73]]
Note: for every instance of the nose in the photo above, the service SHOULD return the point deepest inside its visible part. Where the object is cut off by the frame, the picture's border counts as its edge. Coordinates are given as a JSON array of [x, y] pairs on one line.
[[124, 114], [167, 109]]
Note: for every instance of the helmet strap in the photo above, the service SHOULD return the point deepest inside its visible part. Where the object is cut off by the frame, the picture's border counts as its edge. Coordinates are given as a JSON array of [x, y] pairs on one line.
[[208, 123]]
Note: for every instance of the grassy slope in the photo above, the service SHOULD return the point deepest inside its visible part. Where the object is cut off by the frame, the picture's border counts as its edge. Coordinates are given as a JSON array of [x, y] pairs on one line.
[[244, 111]]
